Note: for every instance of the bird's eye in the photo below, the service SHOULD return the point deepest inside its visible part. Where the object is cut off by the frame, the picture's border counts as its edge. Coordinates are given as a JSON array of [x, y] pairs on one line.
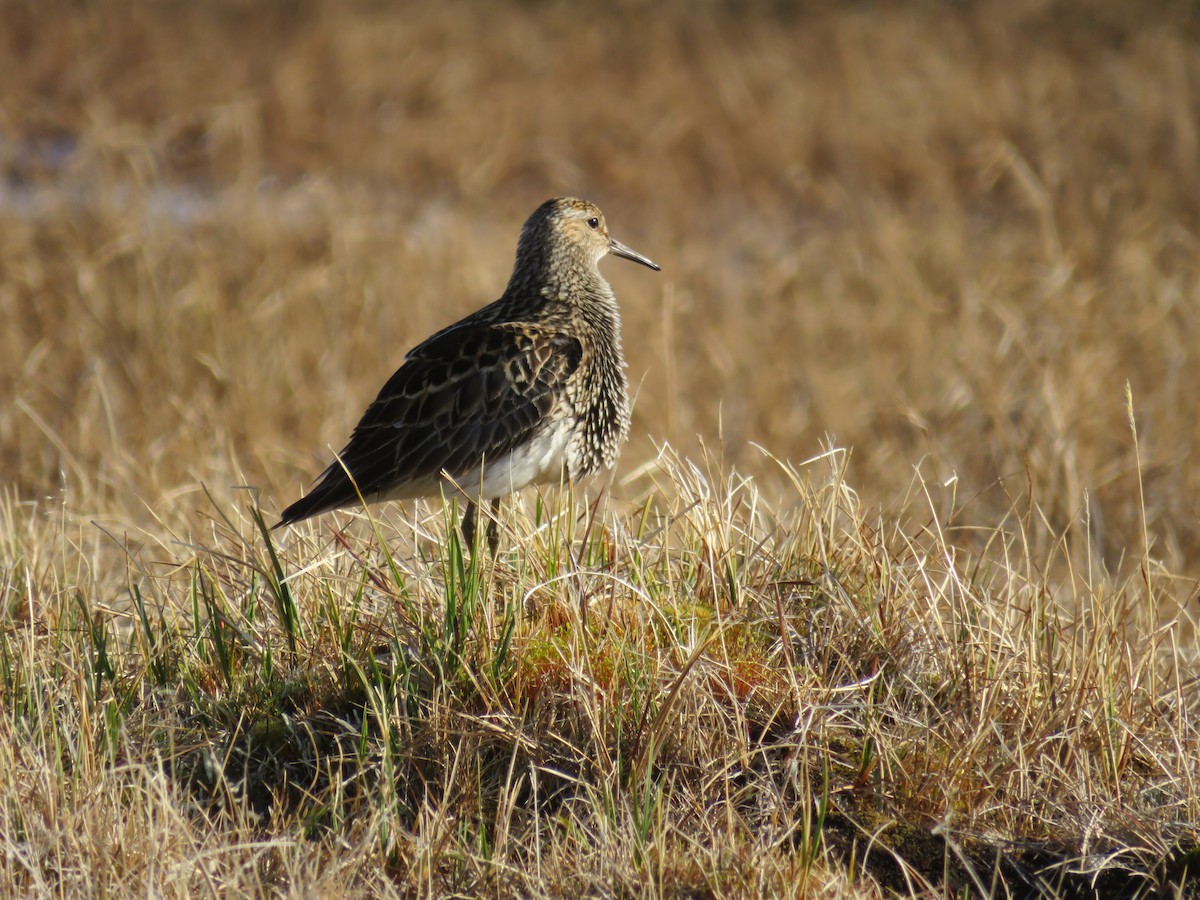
[[593, 223]]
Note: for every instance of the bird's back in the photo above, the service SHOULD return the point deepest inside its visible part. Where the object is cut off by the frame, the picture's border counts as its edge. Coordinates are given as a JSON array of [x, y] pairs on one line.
[[470, 395]]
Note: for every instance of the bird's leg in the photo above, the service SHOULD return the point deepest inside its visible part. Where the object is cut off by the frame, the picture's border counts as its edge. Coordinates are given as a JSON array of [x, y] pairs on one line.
[[468, 525], [493, 528]]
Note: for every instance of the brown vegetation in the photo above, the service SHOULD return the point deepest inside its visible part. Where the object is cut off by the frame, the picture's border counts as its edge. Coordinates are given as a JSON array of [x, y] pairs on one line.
[[945, 236]]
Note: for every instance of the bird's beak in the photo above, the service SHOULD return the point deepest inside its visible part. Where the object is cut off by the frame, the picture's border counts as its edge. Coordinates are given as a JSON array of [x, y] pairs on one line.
[[616, 248]]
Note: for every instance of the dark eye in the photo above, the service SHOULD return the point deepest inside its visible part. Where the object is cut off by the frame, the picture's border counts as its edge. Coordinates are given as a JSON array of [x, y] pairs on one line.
[[593, 223]]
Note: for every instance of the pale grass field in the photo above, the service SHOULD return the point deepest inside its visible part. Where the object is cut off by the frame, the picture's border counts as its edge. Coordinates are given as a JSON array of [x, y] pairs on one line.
[[892, 592]]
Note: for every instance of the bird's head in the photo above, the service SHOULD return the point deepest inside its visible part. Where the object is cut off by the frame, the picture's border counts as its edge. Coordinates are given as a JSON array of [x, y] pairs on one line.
[[577, 228]]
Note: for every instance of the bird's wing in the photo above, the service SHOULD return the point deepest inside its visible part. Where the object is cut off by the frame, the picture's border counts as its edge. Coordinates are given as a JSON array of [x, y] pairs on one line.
[[460, 397]]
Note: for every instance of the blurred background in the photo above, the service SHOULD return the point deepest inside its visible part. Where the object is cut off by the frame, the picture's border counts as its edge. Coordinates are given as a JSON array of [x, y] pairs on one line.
[[943, 235]]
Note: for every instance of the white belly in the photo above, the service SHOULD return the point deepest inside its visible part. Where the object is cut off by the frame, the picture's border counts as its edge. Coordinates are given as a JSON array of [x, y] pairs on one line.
[[538, 460]]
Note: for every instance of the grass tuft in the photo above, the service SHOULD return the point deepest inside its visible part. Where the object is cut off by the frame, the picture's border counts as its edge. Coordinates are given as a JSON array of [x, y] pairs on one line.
[[753, 698]]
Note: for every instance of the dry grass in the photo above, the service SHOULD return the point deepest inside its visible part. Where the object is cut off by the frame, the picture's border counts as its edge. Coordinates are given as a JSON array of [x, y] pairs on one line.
[[958, 659]]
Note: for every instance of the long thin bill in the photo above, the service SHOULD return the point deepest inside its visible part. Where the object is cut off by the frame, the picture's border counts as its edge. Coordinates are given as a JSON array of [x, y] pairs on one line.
[[616, 248]]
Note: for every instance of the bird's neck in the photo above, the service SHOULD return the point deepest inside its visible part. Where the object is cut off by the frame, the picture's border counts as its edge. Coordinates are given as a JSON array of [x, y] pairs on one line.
[[539, 283]]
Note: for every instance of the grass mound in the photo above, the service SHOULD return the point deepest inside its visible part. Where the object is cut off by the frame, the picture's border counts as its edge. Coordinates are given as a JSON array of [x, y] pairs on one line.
[[703, 694]]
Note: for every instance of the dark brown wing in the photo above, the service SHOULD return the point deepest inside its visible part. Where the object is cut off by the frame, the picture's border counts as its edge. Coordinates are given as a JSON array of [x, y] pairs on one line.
[[463, 395]]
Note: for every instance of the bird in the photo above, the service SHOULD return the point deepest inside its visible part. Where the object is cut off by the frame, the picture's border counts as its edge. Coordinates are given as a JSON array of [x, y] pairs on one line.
[[528, 389]]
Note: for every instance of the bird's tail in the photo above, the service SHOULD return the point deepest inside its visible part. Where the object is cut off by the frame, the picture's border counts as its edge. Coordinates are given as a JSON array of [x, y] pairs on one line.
[[323, 498]]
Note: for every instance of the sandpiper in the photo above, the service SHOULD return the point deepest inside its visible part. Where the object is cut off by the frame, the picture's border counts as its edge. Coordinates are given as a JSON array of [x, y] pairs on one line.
[[527, 389]]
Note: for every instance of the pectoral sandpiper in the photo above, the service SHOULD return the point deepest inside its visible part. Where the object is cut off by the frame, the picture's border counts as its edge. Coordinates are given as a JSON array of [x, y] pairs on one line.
[[527, 389]]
